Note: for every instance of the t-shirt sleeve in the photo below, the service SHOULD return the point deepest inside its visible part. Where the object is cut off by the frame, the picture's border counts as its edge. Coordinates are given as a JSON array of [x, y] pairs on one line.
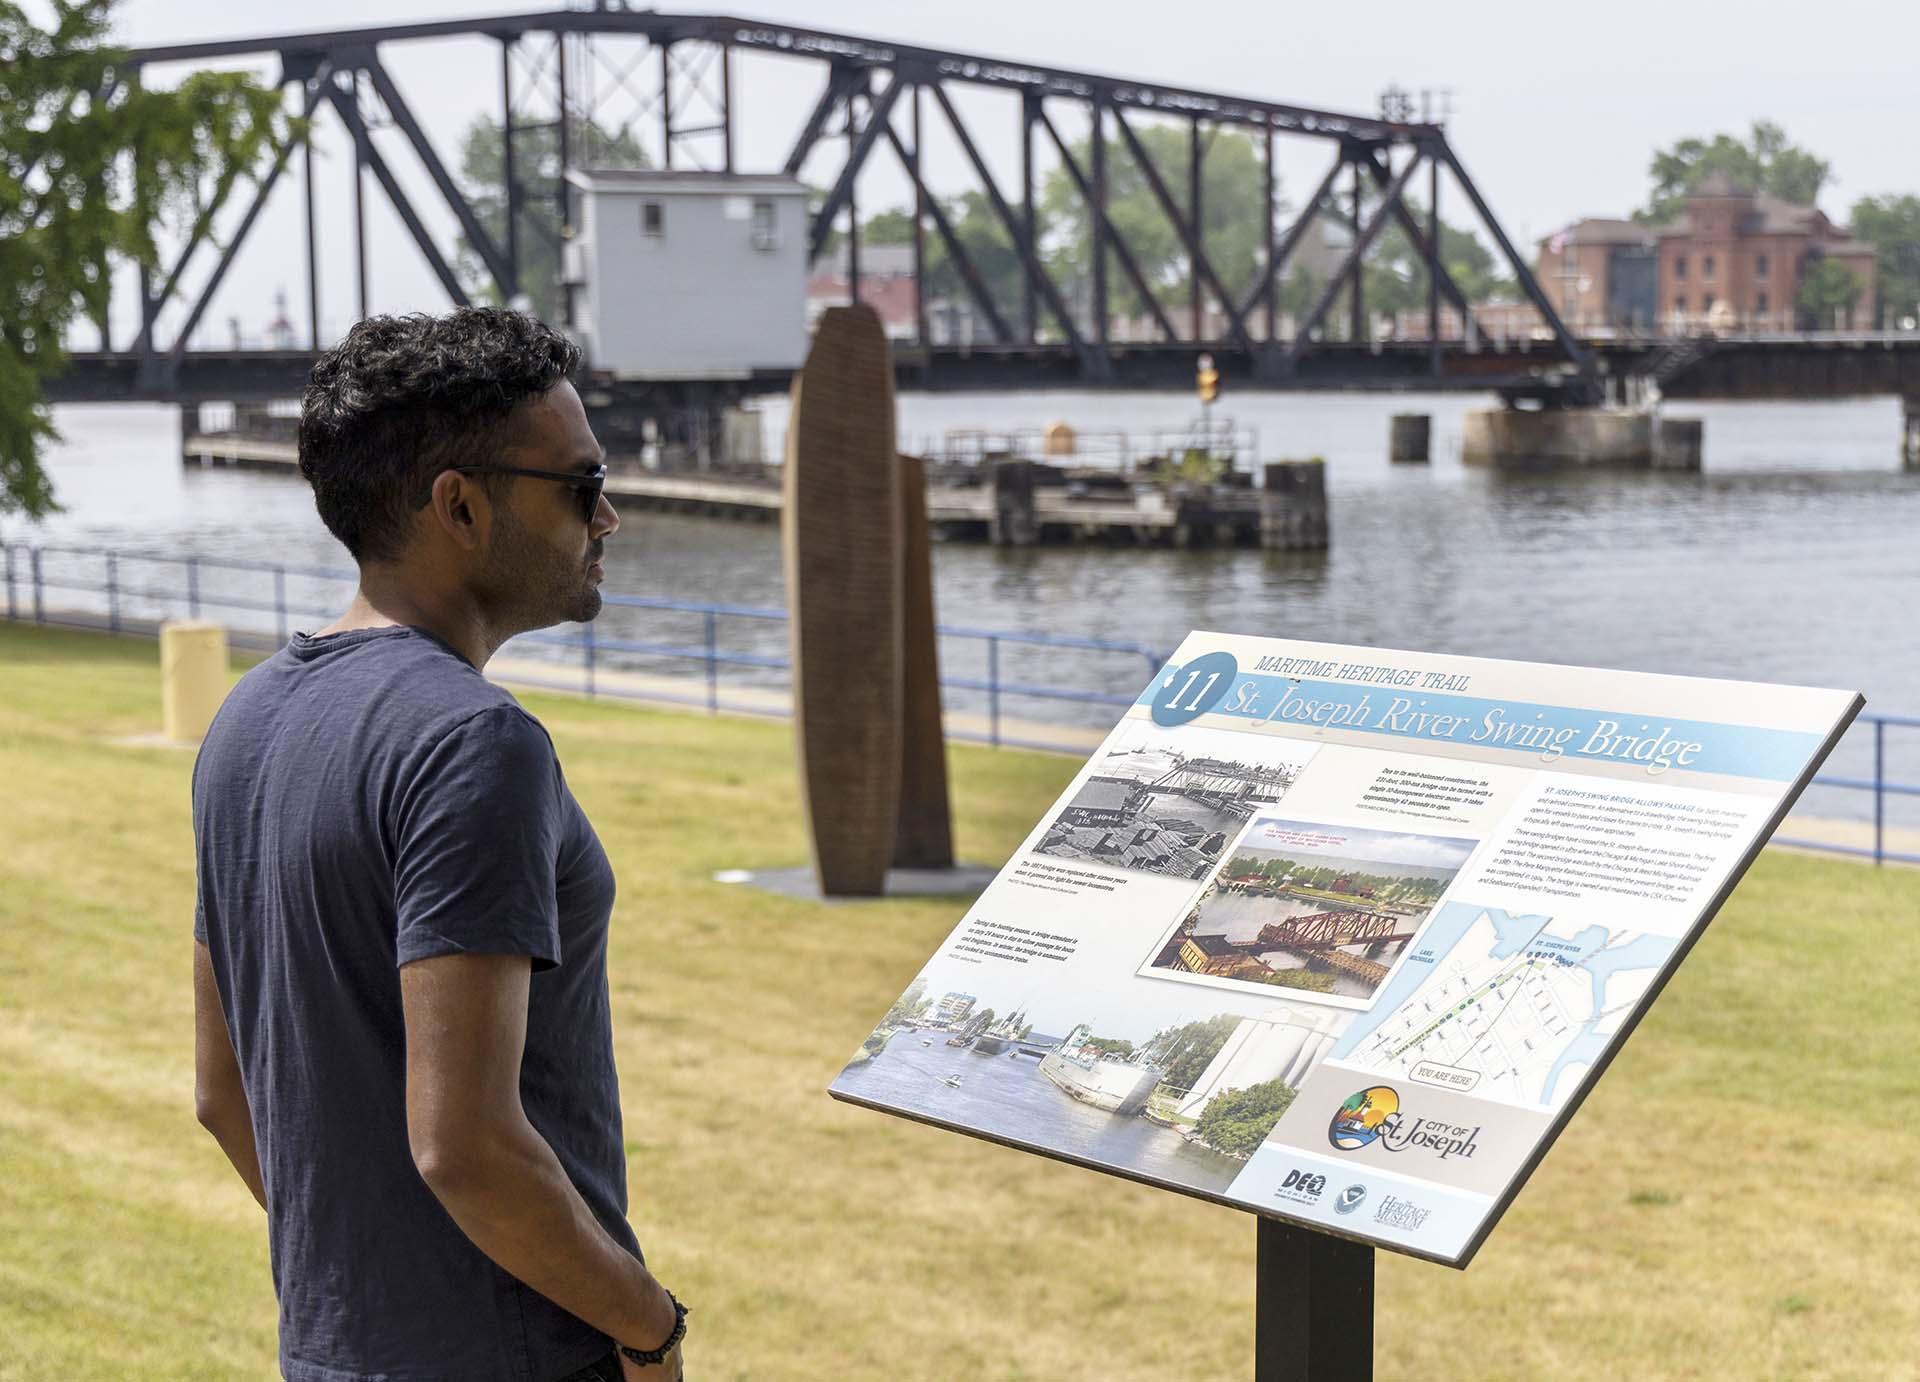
[[477, 843]]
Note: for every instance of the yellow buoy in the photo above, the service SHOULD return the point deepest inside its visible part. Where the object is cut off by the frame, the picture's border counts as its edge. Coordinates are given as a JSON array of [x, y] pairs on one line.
[[193, 677]]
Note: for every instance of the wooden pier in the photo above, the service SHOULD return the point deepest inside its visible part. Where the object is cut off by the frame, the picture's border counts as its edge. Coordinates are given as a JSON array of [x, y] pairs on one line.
[[1010, 503]]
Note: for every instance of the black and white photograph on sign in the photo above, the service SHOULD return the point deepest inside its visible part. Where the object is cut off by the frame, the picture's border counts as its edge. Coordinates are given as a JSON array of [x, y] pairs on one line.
[[1321, 909], [1175, 1091], [1170, 802]]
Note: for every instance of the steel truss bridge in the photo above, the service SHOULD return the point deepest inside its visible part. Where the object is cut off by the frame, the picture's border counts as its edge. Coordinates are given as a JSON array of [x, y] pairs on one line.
[[875, 102], [1234, 787]]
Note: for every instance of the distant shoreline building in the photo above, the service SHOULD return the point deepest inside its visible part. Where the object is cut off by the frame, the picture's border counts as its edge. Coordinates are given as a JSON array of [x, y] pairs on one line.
[[1733, 261]]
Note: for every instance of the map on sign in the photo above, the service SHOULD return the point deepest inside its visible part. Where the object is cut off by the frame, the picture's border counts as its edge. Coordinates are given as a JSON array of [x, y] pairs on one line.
[[1505, 1007], [1344, 936]]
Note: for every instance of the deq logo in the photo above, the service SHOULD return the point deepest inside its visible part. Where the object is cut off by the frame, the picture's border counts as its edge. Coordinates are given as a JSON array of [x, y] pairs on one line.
[[1302, 1187], [1373, 1115]]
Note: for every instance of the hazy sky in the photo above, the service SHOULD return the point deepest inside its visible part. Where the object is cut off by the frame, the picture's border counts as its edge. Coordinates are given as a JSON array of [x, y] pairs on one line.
[[1555, 109]]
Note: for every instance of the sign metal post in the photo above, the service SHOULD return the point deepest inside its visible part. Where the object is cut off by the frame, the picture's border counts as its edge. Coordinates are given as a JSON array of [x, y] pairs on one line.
[[1313, 1307]]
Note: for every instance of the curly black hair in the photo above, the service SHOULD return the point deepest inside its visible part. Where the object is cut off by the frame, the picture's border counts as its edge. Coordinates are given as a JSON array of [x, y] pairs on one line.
[[402, 399]]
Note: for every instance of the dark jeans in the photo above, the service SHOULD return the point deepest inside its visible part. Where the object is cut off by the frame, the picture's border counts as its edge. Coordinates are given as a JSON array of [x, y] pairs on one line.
[[605, 1369]]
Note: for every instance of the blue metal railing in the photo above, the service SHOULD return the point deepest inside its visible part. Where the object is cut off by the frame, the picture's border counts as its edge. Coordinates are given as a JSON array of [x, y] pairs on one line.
[[1879, 784], [27, 581], [28, 577]]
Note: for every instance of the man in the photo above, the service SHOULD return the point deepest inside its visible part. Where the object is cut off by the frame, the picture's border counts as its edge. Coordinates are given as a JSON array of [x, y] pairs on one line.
[[402, 1035]]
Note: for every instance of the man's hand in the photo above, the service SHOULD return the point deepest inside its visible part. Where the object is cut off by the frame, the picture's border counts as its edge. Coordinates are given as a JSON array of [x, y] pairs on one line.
[[666, 1370]]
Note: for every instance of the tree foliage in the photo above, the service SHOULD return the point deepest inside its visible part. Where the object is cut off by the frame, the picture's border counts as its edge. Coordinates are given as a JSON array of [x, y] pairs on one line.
[[1765, 161], [91, 163], [1187, 1051], [986, 245], [909, 1005], [1238, 1121], [536, 168], [1396, 273], [1891, 224], [1826, 287], [1233, 214]]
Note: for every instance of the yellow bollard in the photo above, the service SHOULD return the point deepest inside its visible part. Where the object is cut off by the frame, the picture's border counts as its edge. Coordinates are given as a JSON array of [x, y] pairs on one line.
[[193, 677]]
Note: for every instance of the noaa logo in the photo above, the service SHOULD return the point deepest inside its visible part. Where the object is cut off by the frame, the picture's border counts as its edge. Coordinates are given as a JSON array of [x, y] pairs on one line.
[[1364, 1118], [1350, 1199]]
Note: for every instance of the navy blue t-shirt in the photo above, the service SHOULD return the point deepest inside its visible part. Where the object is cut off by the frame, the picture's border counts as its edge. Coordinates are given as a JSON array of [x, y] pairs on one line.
[[362, 800]]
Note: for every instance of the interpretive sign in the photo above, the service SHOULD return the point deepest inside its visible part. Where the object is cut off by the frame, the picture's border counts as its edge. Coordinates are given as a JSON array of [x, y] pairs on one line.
[[1343, 936]]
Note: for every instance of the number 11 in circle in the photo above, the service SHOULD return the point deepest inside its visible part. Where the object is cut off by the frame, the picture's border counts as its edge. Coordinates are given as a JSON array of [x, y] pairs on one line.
[[1200, 696]]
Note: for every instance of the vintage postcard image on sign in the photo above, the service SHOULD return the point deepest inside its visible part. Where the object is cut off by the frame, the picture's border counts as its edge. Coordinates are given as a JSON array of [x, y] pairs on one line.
[[1323, 910], [1170, 802]]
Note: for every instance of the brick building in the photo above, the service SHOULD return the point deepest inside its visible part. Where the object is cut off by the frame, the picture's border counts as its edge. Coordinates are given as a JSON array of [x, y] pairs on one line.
[[1601, 275], [1733, 261]]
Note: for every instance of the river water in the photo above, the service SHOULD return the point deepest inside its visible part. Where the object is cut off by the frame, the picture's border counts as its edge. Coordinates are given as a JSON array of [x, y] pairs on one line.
[[1793, 556], [1008, 1096]]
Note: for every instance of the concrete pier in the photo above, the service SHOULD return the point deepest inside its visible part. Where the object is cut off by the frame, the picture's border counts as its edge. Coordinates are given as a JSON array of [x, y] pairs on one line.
[[1293, 506], [1410, 438], [1571, 438]]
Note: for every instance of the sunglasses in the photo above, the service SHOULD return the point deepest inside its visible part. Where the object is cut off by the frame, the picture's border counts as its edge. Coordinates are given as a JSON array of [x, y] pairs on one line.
[[587, 484]]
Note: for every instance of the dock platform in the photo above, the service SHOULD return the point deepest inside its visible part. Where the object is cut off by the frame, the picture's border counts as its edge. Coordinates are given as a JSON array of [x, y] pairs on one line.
[[1012, 503]]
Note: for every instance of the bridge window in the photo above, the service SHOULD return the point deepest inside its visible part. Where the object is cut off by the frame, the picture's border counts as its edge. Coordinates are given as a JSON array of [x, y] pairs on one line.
[[1706, 266], [653, 219], [1680, 266], [1760, 268]]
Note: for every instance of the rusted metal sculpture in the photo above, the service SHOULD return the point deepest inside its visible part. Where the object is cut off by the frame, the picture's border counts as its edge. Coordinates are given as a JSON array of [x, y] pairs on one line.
[[866, 680], [925, 836], [840, 526]]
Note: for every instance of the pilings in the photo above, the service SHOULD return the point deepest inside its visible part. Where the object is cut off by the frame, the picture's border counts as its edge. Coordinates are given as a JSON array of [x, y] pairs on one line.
[[1410, 438], [1574, 438], [1012, 521], [1677, 443], [1293, 506]]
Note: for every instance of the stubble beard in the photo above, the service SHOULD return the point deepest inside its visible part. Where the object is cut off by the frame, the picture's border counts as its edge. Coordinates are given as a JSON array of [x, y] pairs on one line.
[[533, 585]]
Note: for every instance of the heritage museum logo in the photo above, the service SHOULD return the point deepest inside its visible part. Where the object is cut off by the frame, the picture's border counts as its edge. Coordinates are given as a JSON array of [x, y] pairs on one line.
[[1373, 1115], [1395, 1212], [1302, 1187], [1350, 1199]]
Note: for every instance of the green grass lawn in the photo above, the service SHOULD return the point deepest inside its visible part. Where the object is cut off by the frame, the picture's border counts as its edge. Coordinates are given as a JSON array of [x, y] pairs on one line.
[[1736, 1200]]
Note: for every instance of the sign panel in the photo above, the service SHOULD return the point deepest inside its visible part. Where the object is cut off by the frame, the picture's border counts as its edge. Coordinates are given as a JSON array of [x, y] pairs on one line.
[[1341, 935]]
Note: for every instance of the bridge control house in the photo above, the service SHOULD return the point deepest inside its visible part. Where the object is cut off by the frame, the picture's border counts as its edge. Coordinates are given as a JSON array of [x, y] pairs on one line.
[[688, 275]]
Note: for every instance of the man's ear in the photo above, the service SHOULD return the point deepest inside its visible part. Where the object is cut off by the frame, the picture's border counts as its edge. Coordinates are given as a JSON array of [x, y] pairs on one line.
[[459, 508]]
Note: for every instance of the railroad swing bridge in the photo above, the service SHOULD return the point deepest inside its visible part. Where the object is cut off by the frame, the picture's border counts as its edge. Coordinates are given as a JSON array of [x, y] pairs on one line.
[[875, 102], [1238, 788], [1326, 938], [672, 82]]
